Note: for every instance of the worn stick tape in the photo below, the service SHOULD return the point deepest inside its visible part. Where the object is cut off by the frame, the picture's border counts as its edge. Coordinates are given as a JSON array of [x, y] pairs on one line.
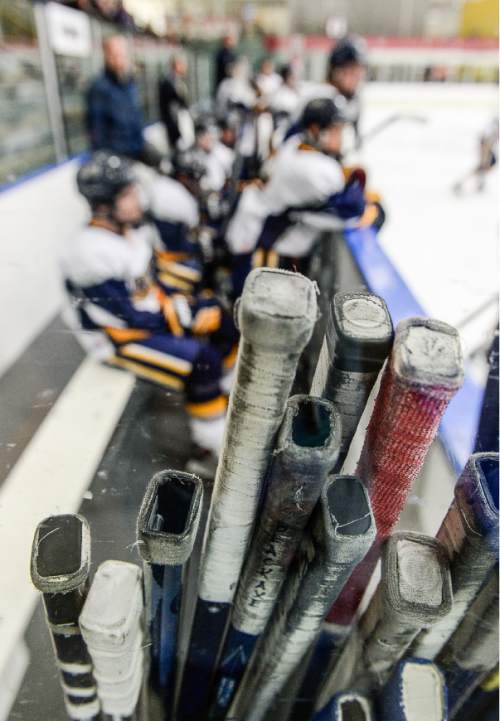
[[276, 315]]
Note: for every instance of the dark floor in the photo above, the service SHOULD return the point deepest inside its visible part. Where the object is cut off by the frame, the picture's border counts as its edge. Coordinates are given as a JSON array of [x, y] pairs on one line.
[[30, 388], [152, 435]]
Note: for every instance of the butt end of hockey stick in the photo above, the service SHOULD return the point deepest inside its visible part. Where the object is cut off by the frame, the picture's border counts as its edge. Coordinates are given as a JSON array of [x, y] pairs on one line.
[[476, 493], [169, 518], [277, 309], [60, 557], [348, 706], [417, 691], [311, 428], [428, 352], [106, 625], [359, 332], [416, 578], [350, 523]]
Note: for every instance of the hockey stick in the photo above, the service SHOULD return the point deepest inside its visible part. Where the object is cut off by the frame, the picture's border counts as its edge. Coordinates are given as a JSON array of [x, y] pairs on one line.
[[167, 525], [358, 339], [386, 123], [423, 373], [415, 692], [472, 651], [110, 622], [487, 438], [414, 592], [305, 452], [349, 706], [274, 332], [190, 593], [60, 563], [470, 534], [342, 529]]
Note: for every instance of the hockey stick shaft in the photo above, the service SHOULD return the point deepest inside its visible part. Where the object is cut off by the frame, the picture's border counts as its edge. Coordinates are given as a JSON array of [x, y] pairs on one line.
[[470, 534], [167, 526], [414, 592], [424, 372], [358, 338], [274, 333], [357, 341], [60, 563], [472, 651], [342, 529], [305, 452], [111, 624]]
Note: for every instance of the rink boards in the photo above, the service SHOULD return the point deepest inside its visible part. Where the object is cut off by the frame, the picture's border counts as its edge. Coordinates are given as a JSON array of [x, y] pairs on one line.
[[439, 250]]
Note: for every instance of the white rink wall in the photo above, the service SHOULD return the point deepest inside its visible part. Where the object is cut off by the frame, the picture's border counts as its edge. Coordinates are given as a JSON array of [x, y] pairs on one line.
[[36, 217]]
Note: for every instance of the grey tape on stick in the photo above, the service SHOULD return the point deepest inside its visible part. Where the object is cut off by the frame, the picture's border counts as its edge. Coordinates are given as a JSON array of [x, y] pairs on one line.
[[414, 592], [60, 564], [470, 534], [472, 651], [276, 316], [342, 530], [357, 341], [306, 451]]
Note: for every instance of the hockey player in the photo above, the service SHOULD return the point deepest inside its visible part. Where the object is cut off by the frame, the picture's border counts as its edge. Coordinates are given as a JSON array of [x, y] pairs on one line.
[[125, 319], [488, 154], [346, 72], [267, 80], [236, 90], [285, 100], [183, 251], [216, 158], [273, 224], [173, 207]]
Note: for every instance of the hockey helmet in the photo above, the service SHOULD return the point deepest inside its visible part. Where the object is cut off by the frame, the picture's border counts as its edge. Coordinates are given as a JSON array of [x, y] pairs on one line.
[[103, 177], [186, 162], [323, 112], [348, 51]]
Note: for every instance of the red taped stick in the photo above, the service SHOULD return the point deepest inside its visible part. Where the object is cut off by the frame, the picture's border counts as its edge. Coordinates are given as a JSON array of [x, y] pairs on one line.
[[424, 371]]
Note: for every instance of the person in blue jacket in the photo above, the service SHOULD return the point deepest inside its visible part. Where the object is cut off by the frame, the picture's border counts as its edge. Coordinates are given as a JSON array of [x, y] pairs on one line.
[[114, 116]]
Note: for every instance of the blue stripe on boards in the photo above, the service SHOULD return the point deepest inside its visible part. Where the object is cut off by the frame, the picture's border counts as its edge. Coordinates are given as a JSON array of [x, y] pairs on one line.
[[460, 422]]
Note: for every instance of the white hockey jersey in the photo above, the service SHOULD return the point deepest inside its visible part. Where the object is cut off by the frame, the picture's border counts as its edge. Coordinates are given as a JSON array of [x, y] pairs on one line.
[[302, 179], [110, 287], [170, 201]]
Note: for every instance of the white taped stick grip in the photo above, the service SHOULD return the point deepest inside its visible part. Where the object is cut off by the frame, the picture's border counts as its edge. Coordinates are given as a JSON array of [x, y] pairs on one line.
[[276, 316], [110, 622]]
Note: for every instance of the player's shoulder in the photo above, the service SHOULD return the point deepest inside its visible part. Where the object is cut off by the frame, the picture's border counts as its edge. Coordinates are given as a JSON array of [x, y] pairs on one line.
[[310, 172], [169, 199], [223, 152], [95, 255]]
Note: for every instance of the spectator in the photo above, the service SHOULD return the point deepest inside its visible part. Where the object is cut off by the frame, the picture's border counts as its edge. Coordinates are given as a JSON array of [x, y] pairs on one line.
[[114, 116], [225, 57], [173, 101]]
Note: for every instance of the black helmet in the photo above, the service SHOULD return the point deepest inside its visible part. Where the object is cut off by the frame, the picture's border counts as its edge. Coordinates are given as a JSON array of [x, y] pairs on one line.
[[348, 51], [205, 124], [186, 162], [103, 177], [323, 112], [285, 71]]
